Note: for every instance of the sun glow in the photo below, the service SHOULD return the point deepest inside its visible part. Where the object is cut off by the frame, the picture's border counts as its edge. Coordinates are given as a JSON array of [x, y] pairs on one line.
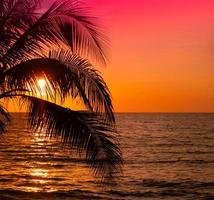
[[42, 83], [42, 87]]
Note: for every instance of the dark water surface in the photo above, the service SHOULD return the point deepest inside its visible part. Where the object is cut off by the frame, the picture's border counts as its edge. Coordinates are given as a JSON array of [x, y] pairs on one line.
[[167, 156]]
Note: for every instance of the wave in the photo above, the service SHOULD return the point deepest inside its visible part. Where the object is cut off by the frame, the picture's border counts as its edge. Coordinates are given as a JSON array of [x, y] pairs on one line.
[[163, 194], [160, 188], [148, 188], [181, 184], [177, 161], [11, 194]]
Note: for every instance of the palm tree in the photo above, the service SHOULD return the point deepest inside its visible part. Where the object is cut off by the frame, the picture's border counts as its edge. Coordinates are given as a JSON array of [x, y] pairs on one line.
[[57, 46]]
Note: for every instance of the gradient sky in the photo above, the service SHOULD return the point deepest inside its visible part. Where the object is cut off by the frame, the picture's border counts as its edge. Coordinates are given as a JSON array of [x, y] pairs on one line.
[[162, 54]]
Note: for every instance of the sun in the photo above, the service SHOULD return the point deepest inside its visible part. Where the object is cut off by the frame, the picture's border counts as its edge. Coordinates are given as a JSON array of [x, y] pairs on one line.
[[42, 83], [41, 86]]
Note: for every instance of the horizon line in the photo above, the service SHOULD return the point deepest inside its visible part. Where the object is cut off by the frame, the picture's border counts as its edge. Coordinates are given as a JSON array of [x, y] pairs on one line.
[[152, 112]]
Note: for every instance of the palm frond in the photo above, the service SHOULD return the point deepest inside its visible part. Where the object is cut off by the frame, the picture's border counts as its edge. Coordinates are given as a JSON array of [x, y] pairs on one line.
[[80, 31], [15, 17], [63, 23], [4, 117], [84, 131], [67, 74], [13, 93], [25, 40], [92, 88]]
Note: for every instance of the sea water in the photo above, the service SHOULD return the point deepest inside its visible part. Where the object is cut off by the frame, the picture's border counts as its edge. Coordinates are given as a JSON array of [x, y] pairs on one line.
[[166, 156]]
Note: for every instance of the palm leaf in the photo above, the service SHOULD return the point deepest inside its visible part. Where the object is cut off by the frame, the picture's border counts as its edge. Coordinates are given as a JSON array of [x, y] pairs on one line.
[[15, 17], [63, 23], [67, 74], [84, 131], [4, 117], [91, 86]]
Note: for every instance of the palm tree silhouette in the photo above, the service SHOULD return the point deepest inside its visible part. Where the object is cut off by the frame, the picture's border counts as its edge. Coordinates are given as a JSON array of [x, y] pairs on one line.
[[57, 46]]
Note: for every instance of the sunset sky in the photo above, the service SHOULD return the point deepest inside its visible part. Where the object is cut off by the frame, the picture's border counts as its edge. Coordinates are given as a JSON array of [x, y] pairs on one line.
[[162, 54]]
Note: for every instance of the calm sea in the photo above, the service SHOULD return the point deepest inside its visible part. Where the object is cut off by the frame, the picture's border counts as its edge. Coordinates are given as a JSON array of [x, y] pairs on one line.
[[167, 156]]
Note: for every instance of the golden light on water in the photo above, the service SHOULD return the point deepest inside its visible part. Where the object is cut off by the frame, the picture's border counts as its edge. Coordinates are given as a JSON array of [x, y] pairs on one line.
[[39, 173], [40, 138], [47, 167]]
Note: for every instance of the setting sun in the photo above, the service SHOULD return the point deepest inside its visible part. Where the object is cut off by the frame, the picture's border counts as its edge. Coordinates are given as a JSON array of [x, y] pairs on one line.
[[41, 83]]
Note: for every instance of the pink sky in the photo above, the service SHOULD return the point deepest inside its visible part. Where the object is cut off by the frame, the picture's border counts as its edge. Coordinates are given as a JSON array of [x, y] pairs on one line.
[[162, 54]]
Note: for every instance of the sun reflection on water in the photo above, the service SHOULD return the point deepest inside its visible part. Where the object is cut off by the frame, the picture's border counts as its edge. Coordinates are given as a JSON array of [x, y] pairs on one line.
[[50, 168], [39, 173], [39, 138], [39, 177]]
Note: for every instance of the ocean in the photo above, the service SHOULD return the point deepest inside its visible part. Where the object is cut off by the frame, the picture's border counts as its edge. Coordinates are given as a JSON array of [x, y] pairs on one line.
[[167, 156]]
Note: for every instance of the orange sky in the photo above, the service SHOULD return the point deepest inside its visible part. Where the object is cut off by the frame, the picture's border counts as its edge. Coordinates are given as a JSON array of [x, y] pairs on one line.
[[162, 54]]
